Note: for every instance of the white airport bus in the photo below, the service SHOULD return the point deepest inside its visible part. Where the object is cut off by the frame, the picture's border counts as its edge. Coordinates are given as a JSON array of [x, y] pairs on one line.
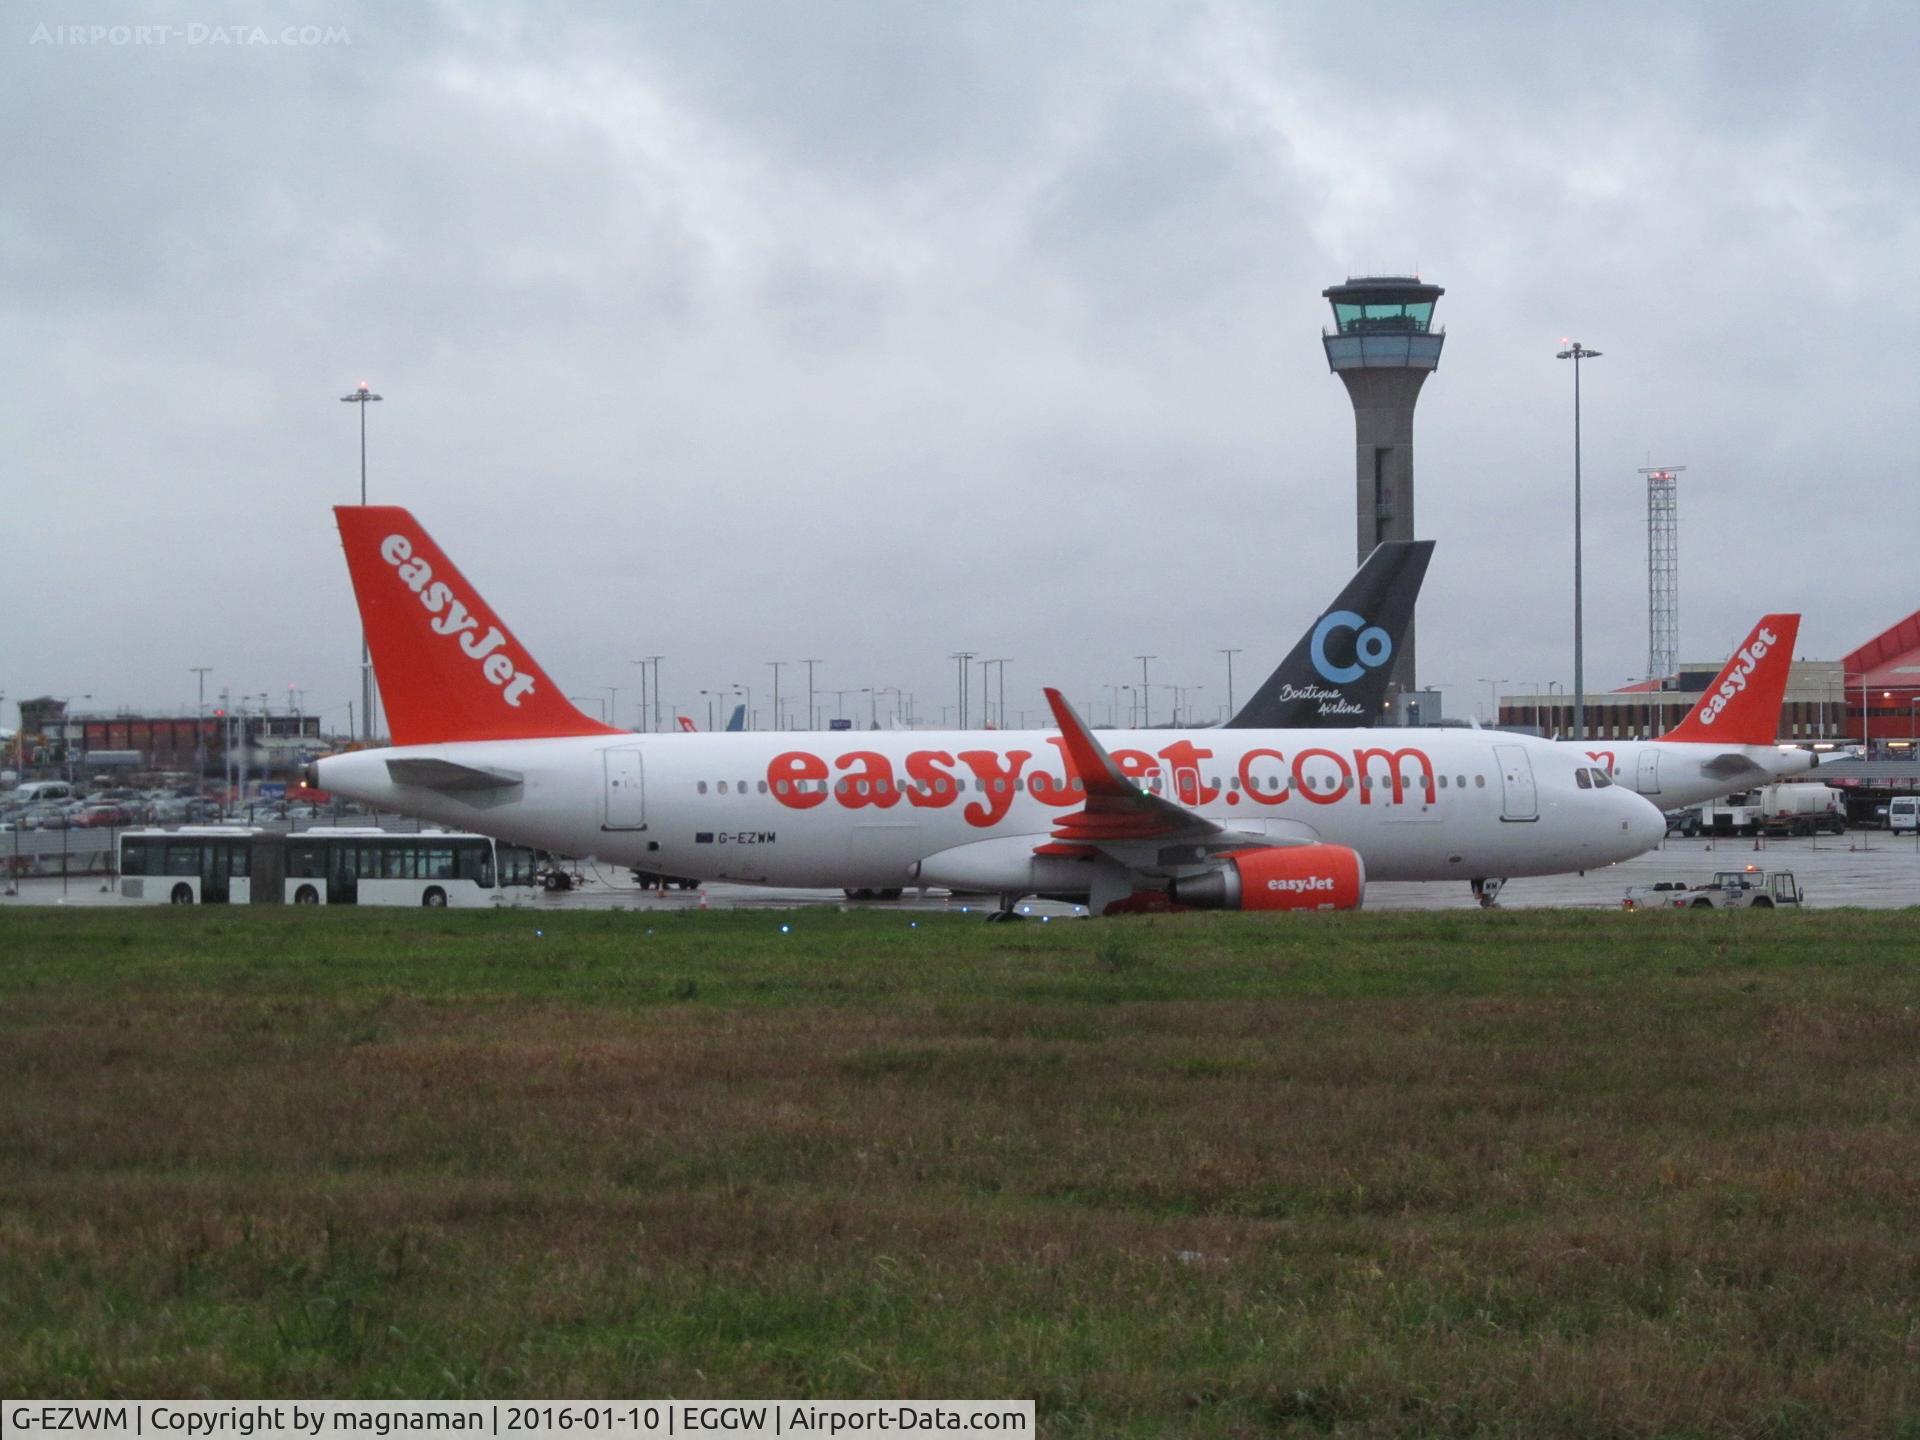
[[240, 865]]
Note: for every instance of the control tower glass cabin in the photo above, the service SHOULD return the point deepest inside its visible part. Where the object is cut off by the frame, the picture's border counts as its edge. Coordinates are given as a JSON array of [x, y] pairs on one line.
[[1383, 345]]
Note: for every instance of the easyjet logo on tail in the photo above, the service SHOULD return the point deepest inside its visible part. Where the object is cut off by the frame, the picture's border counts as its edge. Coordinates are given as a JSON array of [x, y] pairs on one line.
[[453, 618], [1745, 661]]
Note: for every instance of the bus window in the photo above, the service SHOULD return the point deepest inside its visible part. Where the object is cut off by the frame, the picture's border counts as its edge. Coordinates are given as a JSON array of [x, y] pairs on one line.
[[238, 853], [138, 857], [516, 865], [437, 864], [183, 859], [393, 862]]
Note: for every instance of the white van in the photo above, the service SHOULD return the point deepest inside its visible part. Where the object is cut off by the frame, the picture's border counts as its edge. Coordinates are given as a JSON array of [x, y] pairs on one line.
[[1903, 813], [41, 792]]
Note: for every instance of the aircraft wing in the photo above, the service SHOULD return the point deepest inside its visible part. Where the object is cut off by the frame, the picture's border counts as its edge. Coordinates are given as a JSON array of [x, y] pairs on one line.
[[1121, 820]]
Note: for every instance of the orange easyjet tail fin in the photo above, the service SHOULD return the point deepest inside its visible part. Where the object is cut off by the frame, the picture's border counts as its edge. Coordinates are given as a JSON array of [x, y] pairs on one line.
[[1742, 706], [449, 669]]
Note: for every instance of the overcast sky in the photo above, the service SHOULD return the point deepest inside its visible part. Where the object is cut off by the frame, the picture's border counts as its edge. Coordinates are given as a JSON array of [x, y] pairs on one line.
[[734, 332]]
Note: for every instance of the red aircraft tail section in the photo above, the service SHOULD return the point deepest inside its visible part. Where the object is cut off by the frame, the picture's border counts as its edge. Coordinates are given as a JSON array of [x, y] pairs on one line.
[[449, 669], [1742, 706]]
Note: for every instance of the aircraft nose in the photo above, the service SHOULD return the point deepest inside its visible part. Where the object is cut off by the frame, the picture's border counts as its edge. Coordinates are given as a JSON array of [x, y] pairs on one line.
[[1643, 826]]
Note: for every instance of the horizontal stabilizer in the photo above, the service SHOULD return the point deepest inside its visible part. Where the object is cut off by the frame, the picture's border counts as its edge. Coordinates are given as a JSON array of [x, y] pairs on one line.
[[449, 775]]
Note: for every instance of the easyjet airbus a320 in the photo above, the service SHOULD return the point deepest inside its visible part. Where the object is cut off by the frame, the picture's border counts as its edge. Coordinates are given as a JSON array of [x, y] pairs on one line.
[[1230, 818]]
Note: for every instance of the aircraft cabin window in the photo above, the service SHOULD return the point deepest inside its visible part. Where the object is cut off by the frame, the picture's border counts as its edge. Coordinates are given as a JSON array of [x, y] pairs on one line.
[[1479, 782], [1077, 785], [999, 786], [780, 787], [743, 787], [859, 787], [882, 786], [840, 787], [701, 787], [723, 787], [763, 787], [1459, 782]]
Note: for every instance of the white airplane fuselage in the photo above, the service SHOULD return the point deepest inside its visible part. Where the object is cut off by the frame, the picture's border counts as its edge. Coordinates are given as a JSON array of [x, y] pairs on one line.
[[1672, 773], [968, 809]]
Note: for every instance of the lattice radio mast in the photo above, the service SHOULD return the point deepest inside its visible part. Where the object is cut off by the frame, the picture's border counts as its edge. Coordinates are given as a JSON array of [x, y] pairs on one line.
[[1663, 570]]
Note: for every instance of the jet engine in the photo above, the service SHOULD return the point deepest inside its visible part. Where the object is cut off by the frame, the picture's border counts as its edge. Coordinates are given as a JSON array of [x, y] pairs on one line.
[[1280, 877]]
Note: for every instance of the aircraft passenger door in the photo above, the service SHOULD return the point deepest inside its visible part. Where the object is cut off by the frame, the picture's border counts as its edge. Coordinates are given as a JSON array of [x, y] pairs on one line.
[[1517, 798], [626, 794], [1649, 781]]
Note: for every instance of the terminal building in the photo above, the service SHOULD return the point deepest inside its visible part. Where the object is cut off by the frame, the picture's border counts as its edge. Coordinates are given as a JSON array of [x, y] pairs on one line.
[[208, 746]]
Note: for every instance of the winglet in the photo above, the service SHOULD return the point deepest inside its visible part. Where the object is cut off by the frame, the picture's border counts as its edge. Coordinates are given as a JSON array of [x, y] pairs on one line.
[[449, 669], [1092, 765], [1742, 706]]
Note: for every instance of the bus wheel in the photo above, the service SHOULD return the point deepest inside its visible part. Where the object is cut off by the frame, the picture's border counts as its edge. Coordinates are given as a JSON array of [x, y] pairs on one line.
[[435, 898], [306, 895], [183, 895]]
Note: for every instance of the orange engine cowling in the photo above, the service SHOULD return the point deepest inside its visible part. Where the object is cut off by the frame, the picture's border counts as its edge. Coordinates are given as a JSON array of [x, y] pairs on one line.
[[1282, 877]]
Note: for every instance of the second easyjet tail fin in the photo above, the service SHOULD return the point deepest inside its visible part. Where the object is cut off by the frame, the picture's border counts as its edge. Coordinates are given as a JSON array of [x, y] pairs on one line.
[[1742, 706], [449, 669]]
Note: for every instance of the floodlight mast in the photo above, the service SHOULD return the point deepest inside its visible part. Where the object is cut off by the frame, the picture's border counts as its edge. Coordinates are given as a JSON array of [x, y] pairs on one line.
[[362, 397]]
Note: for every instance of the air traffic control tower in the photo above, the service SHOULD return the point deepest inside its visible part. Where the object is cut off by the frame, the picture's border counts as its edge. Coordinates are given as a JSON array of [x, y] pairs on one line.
[[1383, 345]]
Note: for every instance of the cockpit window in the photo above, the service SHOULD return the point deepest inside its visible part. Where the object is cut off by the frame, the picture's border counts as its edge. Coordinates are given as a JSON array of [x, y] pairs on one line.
[[1601, 780], [1583, 778]]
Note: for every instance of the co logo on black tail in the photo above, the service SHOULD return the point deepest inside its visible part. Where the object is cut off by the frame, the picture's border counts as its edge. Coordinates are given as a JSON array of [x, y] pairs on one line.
[[1372, 646]]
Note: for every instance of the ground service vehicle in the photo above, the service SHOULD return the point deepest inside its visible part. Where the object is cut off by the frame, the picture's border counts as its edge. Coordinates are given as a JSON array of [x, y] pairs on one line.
[[1748, 889], [1771, 810], [242, 865], [1903, 814]]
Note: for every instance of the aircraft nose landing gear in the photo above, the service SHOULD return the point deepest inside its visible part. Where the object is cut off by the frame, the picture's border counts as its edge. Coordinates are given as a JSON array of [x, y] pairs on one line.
[[1487, 892]]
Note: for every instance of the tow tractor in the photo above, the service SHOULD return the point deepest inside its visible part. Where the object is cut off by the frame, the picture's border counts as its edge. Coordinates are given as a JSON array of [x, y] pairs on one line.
[[1748, 889]]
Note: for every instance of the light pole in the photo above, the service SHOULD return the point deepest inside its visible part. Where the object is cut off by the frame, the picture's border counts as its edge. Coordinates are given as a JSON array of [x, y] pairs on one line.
[[1493, 698], [813, 722], [776, 664], [1002, 663], [1229, 654], [613, 704], [746, 690], [1577, 352], [364, 397], [708, 694], [962, 656], [200, 726], [1146, 695]]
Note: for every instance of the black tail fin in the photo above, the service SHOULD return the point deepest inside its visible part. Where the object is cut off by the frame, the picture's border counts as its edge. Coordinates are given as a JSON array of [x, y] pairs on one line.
[[1337, 675]]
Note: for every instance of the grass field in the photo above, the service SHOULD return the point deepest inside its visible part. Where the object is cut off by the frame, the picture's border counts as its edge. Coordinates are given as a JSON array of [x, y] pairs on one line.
[[1515, 1174]]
